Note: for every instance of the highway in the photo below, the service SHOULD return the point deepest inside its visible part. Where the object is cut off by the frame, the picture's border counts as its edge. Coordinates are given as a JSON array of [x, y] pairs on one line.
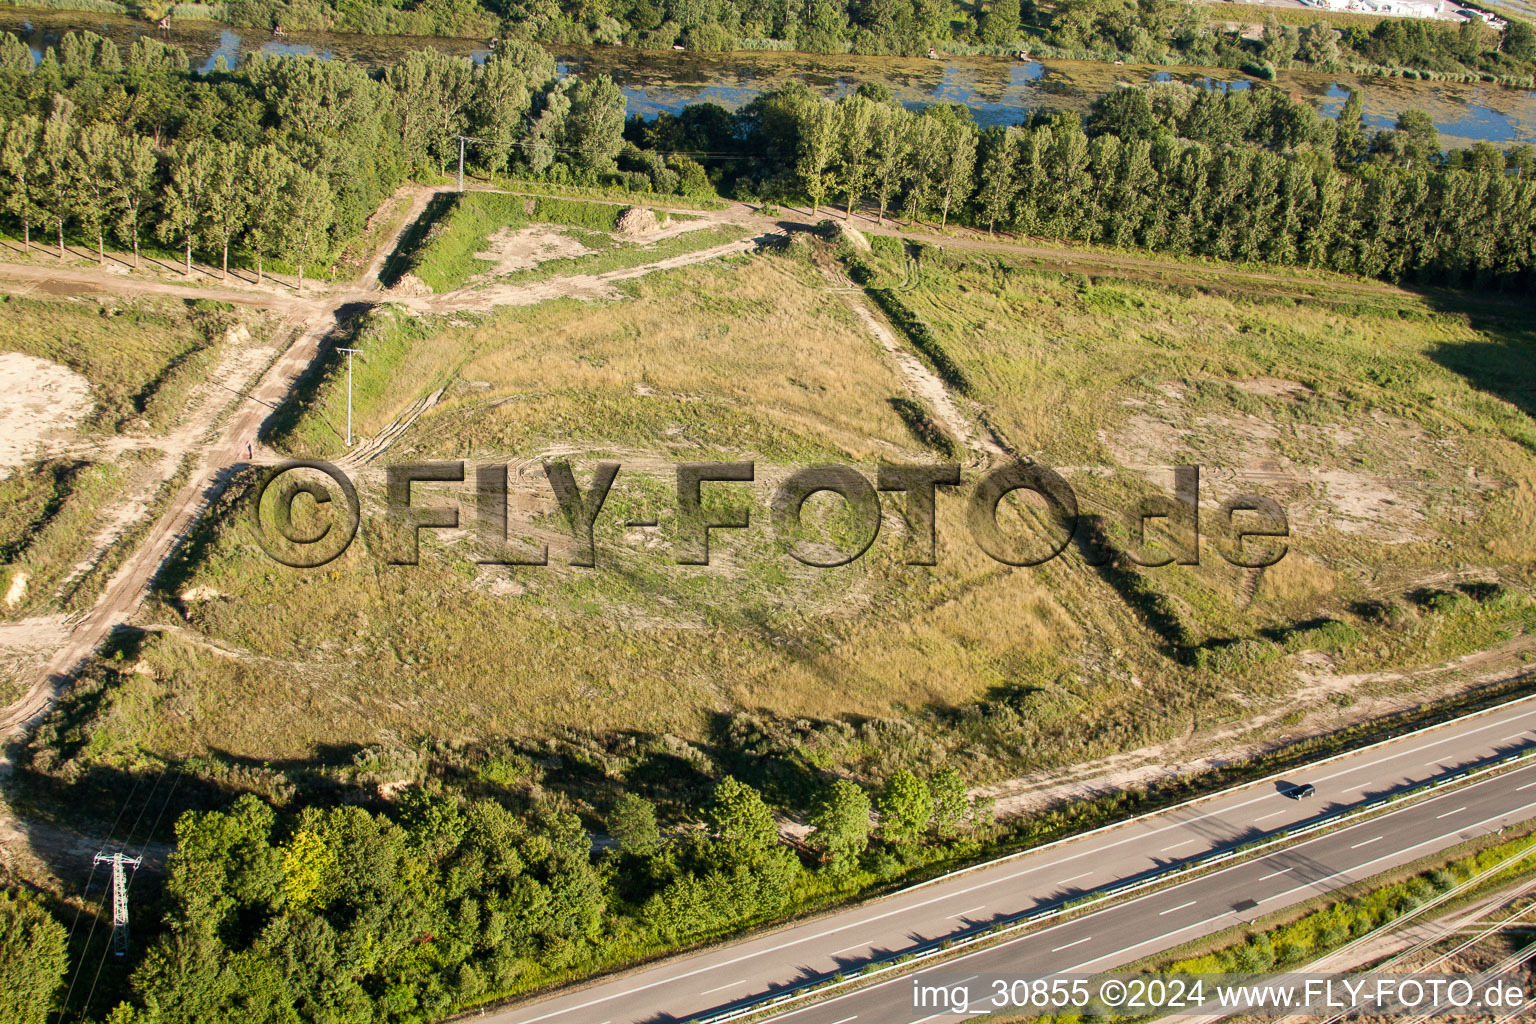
[[712, 981]]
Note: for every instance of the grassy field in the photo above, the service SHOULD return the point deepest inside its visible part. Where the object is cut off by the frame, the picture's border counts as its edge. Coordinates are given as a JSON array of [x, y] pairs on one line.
[[1381, 425], [474, 237], [141, 357]]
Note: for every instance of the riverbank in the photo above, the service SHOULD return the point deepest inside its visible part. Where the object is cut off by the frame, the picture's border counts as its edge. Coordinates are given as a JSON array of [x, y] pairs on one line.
[[998, 90]]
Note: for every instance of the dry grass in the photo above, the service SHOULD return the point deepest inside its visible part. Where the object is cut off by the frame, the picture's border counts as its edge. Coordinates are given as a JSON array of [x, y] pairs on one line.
[[1005, 668]]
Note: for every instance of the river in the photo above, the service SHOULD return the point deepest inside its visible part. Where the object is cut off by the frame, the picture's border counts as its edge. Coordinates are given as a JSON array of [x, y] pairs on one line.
[[997, 90]]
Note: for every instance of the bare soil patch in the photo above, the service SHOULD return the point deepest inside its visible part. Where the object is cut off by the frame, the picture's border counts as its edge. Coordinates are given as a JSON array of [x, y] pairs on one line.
[[44, 403], [514, 249]]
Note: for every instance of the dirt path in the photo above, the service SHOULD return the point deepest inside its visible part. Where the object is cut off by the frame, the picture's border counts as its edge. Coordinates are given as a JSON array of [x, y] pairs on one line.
[[1203, 752], [921, 382]]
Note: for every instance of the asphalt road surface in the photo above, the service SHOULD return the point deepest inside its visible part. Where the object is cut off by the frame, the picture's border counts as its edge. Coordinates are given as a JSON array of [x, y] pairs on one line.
[[1167, 917], [683, 988]]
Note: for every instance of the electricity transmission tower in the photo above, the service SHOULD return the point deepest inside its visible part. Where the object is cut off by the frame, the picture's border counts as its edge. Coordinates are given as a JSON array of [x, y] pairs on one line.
[[119, 898]]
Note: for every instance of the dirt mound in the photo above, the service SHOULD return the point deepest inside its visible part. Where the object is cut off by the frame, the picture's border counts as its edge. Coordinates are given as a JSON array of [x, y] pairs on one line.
[[637, 220], [843, 232], [410, 284]]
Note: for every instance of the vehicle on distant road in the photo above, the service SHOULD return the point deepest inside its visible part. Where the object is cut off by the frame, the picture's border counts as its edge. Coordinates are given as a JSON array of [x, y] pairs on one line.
[[1302, 791]]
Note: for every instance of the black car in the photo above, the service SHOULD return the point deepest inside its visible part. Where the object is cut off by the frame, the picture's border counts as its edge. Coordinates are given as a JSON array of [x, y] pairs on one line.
[[1302, 791]]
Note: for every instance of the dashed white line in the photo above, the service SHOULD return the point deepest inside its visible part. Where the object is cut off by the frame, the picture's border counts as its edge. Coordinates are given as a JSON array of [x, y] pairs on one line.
[[1085, 874], [1274, 874], [722, 988], [1368, 842], [1069, 945], [845, 1020], [856, 945], [1268, 816], [1175, 846], [1447, 814], [1528, 785], [1181, 906], [968, 913]]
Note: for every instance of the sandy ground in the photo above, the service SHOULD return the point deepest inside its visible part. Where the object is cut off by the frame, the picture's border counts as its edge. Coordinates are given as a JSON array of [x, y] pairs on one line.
[[514, 249], [43, 403]]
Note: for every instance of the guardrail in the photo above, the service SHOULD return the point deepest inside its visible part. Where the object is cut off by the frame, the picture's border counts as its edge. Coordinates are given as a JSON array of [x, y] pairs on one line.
[[891, 964]]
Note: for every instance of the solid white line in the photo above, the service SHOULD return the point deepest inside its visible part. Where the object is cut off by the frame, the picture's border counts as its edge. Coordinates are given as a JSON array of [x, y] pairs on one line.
[[1368, 842], [722, 988], [1198, 924], [1447, 814], [1069, 945], [1181, 906]]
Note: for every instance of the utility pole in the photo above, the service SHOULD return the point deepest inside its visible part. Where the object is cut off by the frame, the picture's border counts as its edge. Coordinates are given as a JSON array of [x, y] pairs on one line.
[[350, 353], [463, 139], [119, 899]]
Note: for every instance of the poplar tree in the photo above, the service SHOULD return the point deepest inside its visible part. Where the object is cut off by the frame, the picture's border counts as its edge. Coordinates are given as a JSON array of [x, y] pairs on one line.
[[18, 158], [53, 165], [227, 206], [999, 181], [93, 167], [818, 142], [855, 118], [136, 170], [888, 131], [185, 199], [268, 175]]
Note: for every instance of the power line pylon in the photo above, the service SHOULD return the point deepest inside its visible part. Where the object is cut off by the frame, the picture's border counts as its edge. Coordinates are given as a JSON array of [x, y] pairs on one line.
[[119, 898]]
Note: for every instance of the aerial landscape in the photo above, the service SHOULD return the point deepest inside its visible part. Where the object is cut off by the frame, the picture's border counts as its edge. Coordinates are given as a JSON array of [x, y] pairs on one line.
[[693, 510]]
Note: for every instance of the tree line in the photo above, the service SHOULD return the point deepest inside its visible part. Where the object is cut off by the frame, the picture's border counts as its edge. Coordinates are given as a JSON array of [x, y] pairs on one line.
[[354, 916], [281, 157], [1243, 175]]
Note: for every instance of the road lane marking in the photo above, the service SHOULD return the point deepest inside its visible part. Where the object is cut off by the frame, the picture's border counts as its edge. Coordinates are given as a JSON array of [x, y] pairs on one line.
[[967, 913], [1274, 874], [1447, 814], [845, 1020], [856, 945], [1268, 816], [1175, 846], [1528, 785], [865, 922], [1516, 736], [1368, 842], [1069, 945], [1181, 906], [1085, 874], [722, 988], [1198, 924]]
